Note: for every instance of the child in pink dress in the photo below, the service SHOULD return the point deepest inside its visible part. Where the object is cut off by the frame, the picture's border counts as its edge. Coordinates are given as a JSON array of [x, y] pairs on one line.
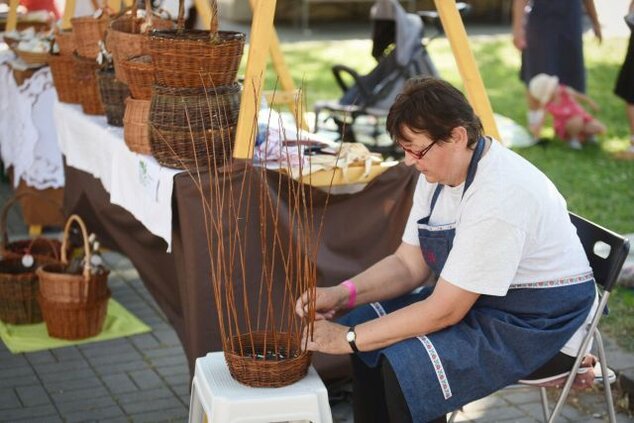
[[572, 123]]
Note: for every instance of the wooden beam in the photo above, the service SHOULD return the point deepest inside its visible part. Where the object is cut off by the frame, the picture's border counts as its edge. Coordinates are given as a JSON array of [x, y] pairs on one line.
[[259, 43], [12, 18], [69, 12], [467, 66]]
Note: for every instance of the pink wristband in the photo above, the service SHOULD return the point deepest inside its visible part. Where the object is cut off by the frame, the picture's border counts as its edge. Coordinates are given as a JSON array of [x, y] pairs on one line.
[[352, 293]]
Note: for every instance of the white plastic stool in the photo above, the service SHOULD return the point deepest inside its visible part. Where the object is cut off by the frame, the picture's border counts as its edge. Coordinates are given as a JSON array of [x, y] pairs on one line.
[[216, 395]]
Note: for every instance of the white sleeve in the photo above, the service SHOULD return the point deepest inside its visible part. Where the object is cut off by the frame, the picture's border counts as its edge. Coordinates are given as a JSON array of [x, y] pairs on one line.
[[420, 209], [485, 256]]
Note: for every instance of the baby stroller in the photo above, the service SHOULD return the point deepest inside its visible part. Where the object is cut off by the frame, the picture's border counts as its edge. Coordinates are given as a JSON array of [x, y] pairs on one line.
[[373, 94]]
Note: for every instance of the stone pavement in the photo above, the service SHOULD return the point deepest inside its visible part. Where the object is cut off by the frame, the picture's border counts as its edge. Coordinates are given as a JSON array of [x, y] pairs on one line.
[[145, 378]]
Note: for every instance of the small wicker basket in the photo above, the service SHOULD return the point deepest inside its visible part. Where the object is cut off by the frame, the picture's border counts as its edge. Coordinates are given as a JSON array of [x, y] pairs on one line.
[[18, 292], [65, 78], [194, 58], [88, 32], [65, 40], [253, 360], [33, 58], [60, 287], [139, 74], [86, 74], [74, 320], [113, 94], [135, 126]]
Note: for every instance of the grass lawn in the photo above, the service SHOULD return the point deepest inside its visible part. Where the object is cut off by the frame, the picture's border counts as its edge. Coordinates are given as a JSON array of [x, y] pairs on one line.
[[595, 184]]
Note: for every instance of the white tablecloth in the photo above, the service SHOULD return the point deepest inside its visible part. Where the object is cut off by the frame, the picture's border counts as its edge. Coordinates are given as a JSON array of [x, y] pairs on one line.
[[135, 182], [28, 142]]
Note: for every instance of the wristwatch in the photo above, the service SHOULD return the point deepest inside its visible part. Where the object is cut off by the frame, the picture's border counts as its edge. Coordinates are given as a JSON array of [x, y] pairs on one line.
[[351, 337]]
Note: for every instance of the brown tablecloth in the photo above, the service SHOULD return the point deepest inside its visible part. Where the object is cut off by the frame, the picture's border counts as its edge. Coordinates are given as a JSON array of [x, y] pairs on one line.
[[359, 229]]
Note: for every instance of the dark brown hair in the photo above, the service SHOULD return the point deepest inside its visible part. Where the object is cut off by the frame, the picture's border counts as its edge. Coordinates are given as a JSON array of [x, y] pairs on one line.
[[434, 107]]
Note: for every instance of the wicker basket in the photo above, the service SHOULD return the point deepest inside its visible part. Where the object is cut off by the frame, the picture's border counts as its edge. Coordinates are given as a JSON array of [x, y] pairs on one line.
[[65, 40], [113, 95], [18, 292], [89, 96], [88, 32], [135, 126], [125, 40], [193, 58], [39, 248], [139, 74], [253, 361], [74, 321], [65, 78], [33, 58], [60, 287]]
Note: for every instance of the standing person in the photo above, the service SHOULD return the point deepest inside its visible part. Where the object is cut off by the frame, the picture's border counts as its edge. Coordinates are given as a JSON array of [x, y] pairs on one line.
[[549, 35], [572, 123], [625, 82], [514, 289], [48, 5]]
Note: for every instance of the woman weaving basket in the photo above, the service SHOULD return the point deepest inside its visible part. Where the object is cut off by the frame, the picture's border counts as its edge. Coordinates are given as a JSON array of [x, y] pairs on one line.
[[514, 286]]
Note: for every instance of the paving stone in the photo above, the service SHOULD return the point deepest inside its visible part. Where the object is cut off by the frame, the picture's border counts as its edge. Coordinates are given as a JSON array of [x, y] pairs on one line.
[[146, 379], [145, 341], [492, 401], [497, 414], [67, 354], [10, 415], [12, 361], [33, 395], [173, 371], [44, 369], [171, 415], [124, 367], [104, 349], [105, 360], [176, 360], [41, 357], [80, 394], [98, 414], [119, 383], [61, 385], [522, 395], [67, 407], [167, 337], [182, 390], [44, 419], [143, 396], [178, 379], [9, 399], [153, 405], [163, 352]]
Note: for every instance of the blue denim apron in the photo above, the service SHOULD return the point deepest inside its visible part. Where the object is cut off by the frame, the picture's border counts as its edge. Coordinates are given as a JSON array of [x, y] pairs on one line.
[[499, 341]]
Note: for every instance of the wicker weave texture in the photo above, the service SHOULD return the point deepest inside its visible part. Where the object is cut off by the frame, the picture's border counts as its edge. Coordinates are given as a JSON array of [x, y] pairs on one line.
[[113, 94], [254, 361], [74, 321], [65, 78], [18, 293], [124, 39], [86, 73], [190, 58], [57, 286], [135, 126], [88, 32], [139, 75], [66, 42], [195, 109]]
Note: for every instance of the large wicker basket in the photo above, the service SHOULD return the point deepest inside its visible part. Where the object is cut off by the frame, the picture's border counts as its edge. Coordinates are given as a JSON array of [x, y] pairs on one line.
[[86, 74], [125, 40], [18, 292], [58, 286], [135, 126], [74, 320], [65, 78], [113, 94], [193, 58], [253, 361]]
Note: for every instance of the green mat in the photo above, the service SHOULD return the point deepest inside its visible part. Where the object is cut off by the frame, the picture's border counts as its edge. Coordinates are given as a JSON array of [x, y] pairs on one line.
[[28, 338]]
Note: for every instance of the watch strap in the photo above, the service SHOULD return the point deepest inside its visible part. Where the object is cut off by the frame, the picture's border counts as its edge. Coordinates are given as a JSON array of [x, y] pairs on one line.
[[352, 340]]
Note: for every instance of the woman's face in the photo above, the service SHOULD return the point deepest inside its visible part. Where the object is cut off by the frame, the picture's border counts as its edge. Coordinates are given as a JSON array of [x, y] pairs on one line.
[[438, 161]]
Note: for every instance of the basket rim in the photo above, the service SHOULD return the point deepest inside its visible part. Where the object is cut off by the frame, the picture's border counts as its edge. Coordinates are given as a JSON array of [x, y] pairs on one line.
[[196, 35]]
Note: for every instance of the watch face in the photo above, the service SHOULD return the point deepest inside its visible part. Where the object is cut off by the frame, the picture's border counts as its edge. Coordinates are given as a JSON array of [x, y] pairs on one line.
[[351, 336]]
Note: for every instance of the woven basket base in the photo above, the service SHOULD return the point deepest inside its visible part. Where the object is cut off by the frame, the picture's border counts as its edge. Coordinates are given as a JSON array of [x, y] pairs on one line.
[[272, 368]]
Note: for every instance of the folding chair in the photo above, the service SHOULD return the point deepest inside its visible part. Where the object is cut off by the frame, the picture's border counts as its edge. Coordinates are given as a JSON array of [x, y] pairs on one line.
[[606, 266]]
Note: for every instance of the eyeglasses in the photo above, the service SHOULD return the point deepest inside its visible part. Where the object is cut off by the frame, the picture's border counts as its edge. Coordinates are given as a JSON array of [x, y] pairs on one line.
[[417, 154]]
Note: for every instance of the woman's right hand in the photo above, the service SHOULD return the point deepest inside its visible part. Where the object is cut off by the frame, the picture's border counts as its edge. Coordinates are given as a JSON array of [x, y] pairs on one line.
[[327, 302]]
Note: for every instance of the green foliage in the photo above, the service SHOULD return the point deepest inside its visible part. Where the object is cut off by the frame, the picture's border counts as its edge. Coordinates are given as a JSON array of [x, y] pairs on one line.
[[619, 324]]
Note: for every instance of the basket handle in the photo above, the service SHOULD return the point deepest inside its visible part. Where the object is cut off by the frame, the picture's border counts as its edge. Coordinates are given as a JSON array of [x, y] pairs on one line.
[[213, 25], [84, 233], [180, 22], [4, 239], [48, 242]]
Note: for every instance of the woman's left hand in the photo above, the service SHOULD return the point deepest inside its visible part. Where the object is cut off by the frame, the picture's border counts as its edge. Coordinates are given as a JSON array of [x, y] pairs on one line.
[[327, 337]]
